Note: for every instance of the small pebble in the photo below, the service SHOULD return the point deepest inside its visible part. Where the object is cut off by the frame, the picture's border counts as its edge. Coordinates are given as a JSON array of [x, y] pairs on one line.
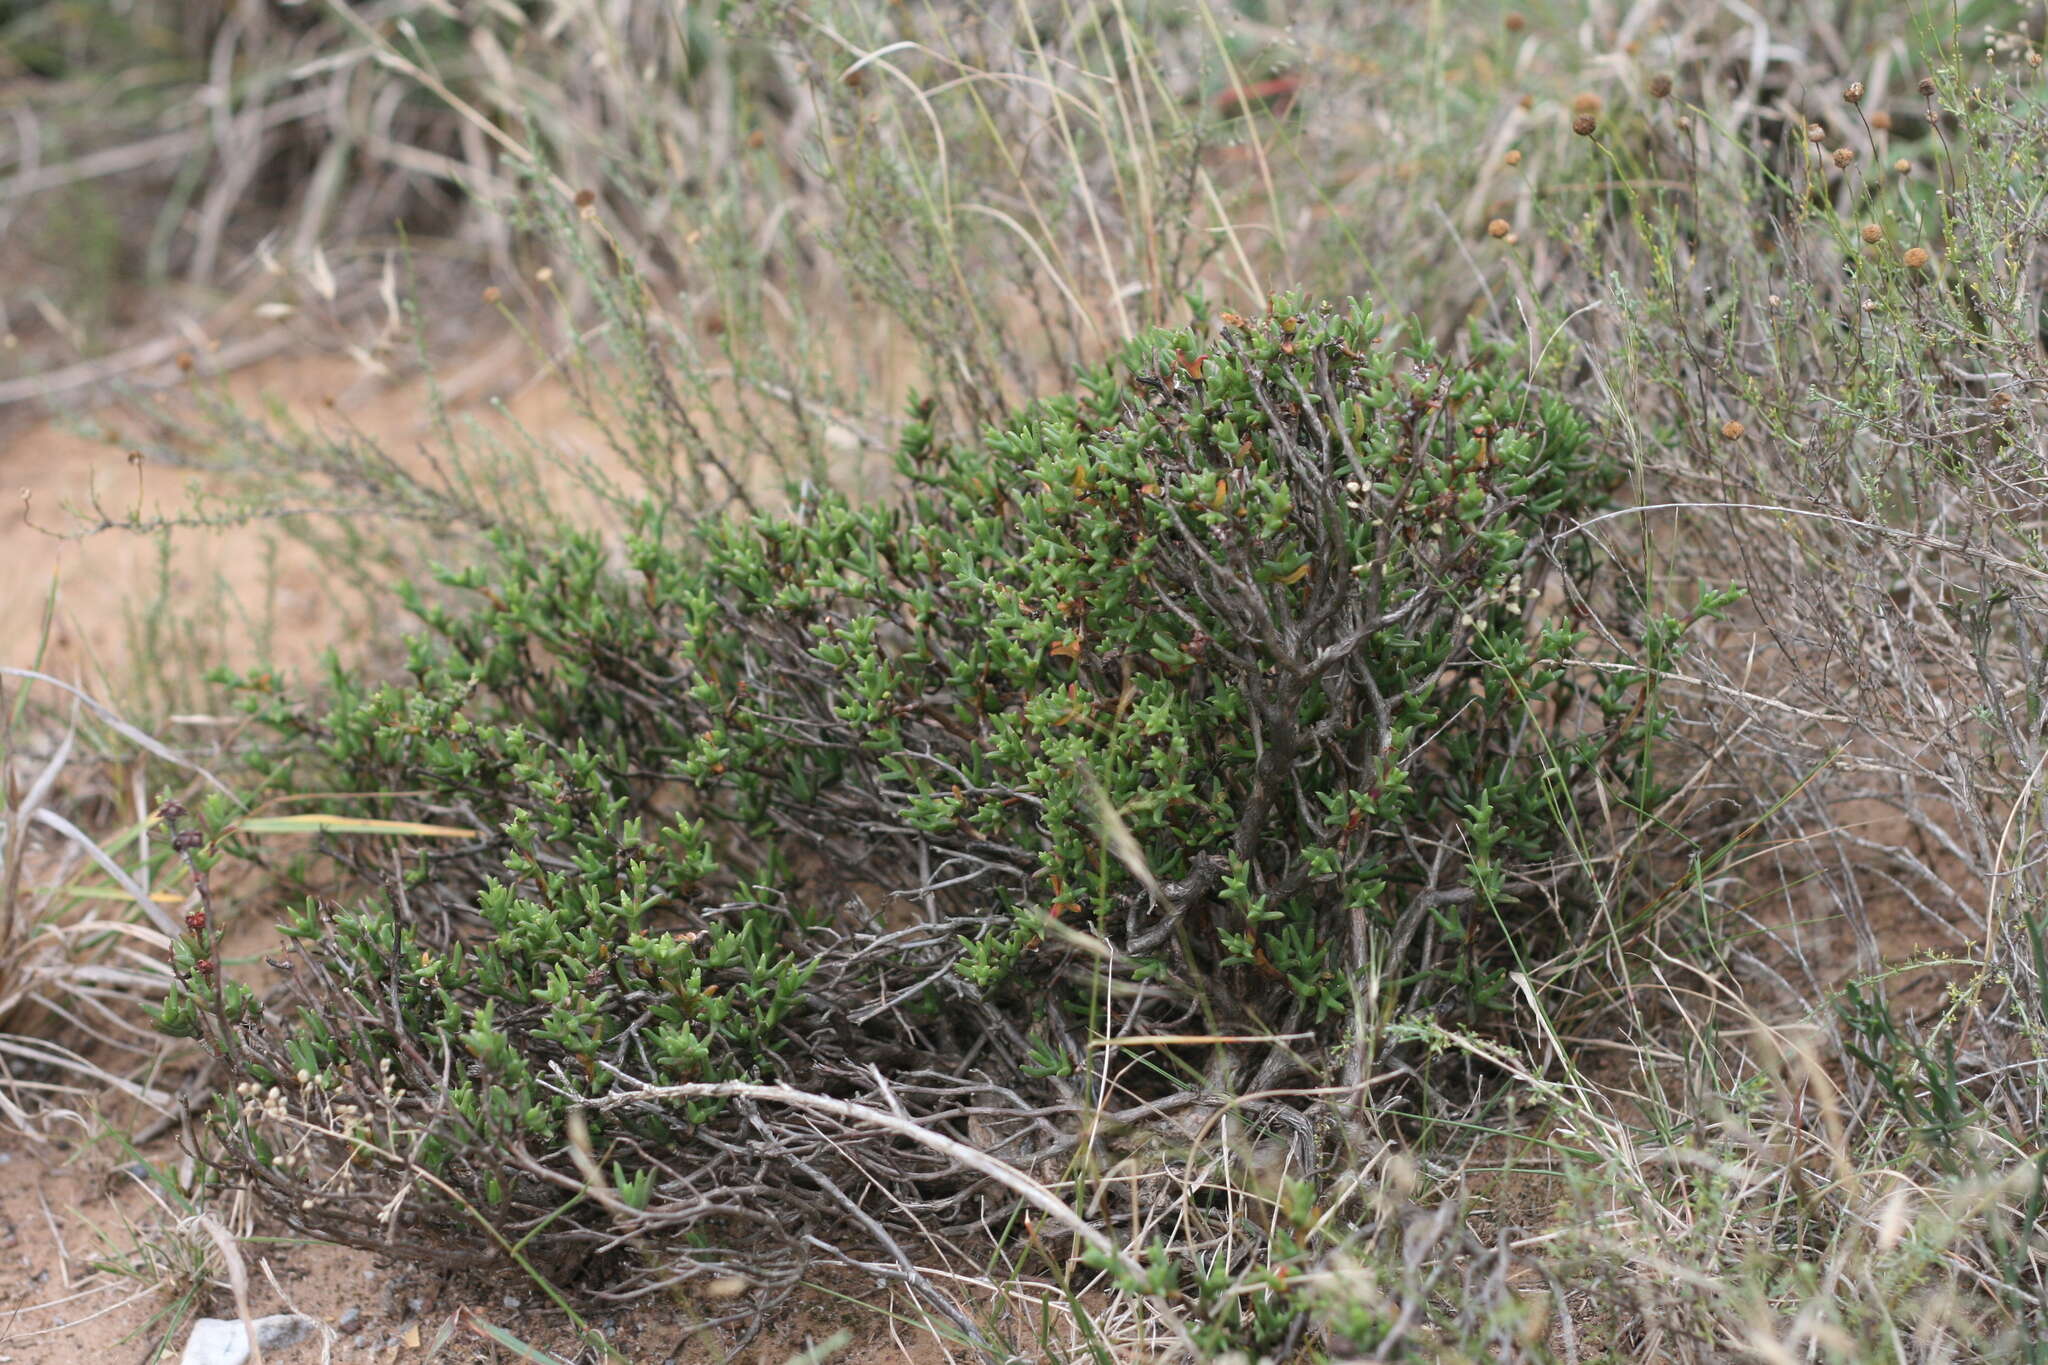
[[218, 1341], [511, 1302], [417, 1304], [350, 1321]]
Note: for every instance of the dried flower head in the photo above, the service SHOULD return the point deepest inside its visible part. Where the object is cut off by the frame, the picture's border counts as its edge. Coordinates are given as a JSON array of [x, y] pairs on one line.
[[1526, 102], [1843, 157], [1816, 133], [1586, 102], [1660, 86], [1514, 156], [1881, 120], [492, 294], [1916, 258], [2034, 59], [1584, 124], [1514, 23], [1872, 233], [1497, 228], [1731, 430], [1854, 94], [1902, 165], [1927, 86], [585, 198]]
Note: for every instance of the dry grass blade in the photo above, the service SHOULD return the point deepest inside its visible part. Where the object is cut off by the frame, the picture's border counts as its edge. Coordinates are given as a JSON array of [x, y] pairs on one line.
[[499, 1336], [144, 901], [350, 824], [107, 715]]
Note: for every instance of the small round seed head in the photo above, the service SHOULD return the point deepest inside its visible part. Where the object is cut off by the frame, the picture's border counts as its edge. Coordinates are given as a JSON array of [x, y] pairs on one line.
[[1584, 124], [2034, 59], [585, 198], [1498, 228], [1685, 123], [1731, 430], [1927, 86], [1526, 102], [492, 294], [1660, 86], [1843, 156], [1816, 133], [1916, 258], [1854, 94], [1902, 165], [1514, 156], [1881, 120], [1586, 102], [1514, 23], [1872, 233]]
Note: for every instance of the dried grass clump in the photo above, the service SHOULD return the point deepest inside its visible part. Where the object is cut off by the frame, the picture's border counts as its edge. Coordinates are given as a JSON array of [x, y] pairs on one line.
[[83, 927]]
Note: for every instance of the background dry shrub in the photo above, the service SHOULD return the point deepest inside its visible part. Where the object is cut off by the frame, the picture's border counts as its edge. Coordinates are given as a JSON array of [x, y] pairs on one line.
[[1847, 421]]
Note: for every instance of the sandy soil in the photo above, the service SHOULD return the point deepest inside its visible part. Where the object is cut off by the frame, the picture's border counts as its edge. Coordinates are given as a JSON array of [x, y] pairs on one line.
[[74, 484], [67, 475], [95, 1269]]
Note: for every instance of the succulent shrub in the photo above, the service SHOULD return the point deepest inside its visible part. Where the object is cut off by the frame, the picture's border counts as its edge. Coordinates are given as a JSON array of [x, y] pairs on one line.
[[1222, 697]]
